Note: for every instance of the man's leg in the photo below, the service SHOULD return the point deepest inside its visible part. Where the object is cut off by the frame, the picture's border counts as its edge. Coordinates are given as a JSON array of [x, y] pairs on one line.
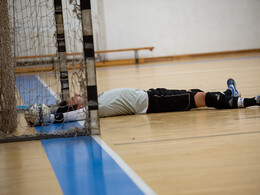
[[221, 101], [232, 90], [200, 99], [165, 100]]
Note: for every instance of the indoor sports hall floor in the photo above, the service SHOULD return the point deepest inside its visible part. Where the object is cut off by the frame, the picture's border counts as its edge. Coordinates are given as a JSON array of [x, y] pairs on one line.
[[204, 151]]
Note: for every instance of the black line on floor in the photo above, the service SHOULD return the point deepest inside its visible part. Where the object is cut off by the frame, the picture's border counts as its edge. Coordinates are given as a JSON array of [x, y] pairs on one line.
[[252, 117], [187, 138]]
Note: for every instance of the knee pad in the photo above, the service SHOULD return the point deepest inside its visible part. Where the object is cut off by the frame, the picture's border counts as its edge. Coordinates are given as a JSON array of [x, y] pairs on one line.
[[218, 100]]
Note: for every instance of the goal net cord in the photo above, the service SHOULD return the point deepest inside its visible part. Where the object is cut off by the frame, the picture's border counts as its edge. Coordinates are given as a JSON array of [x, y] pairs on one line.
[[33, 32]]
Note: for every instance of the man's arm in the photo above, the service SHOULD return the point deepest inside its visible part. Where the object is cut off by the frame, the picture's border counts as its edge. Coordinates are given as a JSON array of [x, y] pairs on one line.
[[76, 115], [40, 114]]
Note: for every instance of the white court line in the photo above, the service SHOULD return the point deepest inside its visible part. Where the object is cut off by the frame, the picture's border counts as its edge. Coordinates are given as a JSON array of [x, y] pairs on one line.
[[48, 88], [133, 176]]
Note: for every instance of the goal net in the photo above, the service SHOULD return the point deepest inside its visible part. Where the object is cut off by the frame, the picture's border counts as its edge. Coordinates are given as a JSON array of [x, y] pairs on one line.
[[47, 56]]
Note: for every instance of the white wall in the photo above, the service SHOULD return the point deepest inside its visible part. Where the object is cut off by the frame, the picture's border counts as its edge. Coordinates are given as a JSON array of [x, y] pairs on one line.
[[176, 27], [173, 27]]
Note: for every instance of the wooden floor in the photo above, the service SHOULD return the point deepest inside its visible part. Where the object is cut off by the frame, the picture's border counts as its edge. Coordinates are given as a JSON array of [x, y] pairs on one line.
[[204, 151]]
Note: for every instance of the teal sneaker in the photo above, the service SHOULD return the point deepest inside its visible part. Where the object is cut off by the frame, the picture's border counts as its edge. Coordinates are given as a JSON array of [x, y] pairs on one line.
[[232, 86]]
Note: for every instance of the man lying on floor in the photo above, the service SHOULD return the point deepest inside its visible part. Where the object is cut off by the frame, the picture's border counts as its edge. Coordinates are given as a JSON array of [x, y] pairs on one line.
[[127, 101]]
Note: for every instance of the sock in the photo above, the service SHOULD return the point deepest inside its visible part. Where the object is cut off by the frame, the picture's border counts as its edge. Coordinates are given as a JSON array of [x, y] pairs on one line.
[[249, 102], [238, 102]]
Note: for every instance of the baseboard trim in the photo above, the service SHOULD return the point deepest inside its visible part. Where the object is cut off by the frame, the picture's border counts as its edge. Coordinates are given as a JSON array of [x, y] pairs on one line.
[[179, 57], [188, 57]]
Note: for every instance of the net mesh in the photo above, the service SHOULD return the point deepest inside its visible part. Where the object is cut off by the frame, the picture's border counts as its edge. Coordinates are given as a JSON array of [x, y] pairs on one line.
[[30, 65]]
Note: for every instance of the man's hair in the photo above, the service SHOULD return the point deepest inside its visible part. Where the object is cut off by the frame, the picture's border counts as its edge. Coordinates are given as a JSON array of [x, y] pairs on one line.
[[64, 107]]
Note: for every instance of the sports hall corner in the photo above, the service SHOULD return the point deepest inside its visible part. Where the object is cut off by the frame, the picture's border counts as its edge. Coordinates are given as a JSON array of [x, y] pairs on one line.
[[52, 50]]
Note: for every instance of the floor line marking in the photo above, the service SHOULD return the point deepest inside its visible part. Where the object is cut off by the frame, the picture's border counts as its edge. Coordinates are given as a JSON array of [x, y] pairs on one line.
[[48, 88], [244, 118], [134, 177], [25, 84], [187, 138]]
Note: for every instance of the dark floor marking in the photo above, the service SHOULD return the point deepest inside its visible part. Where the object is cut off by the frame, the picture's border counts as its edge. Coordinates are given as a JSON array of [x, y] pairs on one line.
[[247, 118], [186, 138]]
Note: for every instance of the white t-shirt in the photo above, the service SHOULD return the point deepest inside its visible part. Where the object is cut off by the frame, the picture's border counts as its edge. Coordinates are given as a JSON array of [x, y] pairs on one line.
[[123, 101]]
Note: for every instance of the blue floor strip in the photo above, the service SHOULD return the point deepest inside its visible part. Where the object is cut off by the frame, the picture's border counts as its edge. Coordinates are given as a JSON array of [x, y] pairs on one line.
[[80, 164], [83, 167], [57, 127], [32, 91]]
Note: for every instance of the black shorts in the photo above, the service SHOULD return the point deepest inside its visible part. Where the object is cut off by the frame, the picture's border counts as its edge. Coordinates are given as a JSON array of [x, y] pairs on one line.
[[165, 100]]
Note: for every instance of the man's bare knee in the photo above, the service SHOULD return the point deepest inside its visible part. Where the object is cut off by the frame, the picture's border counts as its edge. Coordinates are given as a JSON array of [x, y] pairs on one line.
[[200, 99]]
